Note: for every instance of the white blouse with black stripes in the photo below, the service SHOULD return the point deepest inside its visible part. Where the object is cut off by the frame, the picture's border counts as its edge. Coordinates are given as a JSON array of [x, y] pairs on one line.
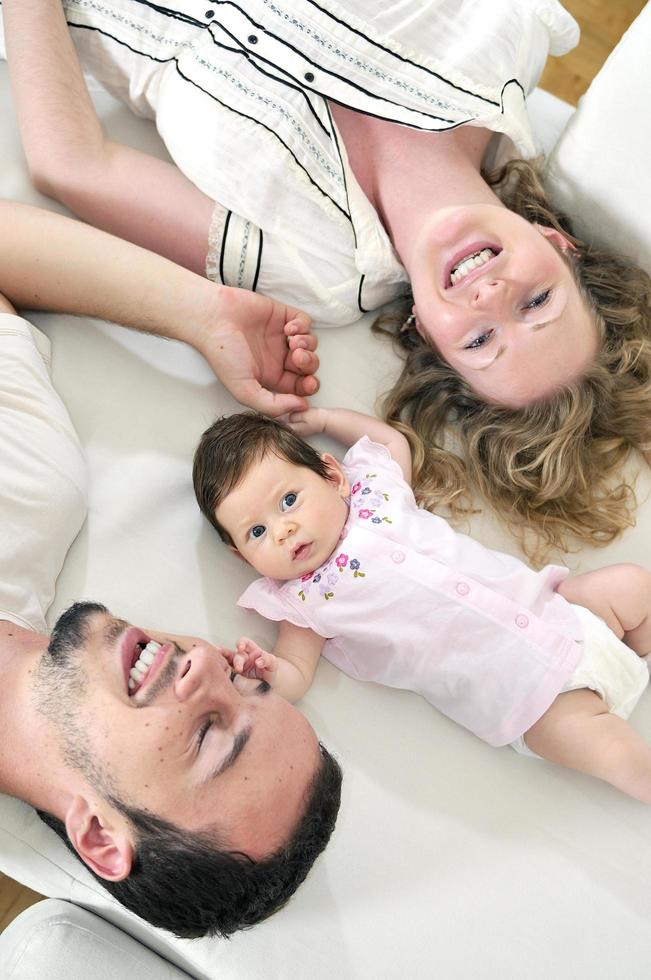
[[239, 92]]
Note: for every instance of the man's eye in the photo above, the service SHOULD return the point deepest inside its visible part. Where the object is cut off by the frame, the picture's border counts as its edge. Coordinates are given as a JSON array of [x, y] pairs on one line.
[[288, 501], [257, 531], [203, 731], [479, 341], [539, 300]]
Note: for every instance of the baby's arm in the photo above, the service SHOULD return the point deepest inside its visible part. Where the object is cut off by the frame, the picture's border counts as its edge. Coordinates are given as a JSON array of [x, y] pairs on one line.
[[621, 596], [289, 670], [347, 427]]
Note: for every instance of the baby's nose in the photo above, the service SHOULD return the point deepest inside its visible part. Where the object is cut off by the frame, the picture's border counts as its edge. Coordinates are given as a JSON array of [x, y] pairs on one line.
[[285, 530]]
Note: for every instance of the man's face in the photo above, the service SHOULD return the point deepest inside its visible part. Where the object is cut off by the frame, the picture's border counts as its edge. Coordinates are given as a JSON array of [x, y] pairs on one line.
[[190, 742]]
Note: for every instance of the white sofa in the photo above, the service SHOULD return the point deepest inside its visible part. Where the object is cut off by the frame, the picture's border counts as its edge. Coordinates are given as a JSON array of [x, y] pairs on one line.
[[450, 858]]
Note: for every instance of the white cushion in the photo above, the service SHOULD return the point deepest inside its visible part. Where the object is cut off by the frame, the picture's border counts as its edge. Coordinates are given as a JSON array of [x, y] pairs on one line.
[[600, 165], [61, 941]]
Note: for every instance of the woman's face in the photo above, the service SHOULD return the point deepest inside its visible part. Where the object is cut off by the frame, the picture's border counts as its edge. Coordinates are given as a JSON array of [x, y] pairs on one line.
[[494, 296]]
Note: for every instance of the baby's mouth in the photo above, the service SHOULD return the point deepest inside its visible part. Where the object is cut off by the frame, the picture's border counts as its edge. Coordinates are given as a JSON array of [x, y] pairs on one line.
[[301, 552]]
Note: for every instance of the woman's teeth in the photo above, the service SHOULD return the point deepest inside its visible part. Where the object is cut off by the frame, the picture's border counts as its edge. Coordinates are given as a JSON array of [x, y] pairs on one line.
[[469, 263], [141, 667]]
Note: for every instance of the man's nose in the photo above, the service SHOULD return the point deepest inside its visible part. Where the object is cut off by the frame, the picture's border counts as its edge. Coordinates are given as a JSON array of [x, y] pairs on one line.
[[205, 675]]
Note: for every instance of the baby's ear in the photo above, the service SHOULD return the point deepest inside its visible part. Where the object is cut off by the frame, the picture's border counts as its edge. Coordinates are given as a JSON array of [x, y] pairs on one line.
[[232, 548], [336, 475]]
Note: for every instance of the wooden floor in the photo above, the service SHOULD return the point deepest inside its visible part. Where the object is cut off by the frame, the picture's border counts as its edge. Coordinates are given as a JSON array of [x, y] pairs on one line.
[[14, 898], [602, 24]]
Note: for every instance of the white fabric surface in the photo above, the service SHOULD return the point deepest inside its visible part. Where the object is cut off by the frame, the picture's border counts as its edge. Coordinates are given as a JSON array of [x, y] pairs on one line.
[[61, 941], [42, 468], [450, 858]]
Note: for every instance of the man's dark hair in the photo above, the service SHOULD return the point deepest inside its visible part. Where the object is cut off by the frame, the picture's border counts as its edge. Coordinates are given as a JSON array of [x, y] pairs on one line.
[[182, 881], [229, 448]]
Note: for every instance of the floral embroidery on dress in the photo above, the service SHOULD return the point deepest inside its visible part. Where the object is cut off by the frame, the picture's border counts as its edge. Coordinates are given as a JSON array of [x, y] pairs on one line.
[[327, 577], [366, 500], [366, 503]]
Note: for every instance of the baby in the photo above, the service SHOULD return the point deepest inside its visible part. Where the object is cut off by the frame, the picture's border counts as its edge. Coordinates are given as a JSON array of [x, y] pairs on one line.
[[388, 592]]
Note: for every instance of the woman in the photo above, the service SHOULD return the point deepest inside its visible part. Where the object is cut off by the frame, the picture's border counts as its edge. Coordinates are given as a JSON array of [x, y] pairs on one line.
[[344, 155]]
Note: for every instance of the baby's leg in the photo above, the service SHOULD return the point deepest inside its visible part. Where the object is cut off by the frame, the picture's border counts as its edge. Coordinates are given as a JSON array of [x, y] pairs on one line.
[[620, 595], [577, 731]]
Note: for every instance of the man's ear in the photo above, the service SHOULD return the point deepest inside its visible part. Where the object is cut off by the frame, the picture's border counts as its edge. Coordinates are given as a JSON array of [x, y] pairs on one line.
[[557, 238], [100, 838], [336, 475]]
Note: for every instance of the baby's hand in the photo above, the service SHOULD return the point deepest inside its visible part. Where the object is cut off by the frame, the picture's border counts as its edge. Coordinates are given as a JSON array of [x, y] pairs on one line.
[[308, 423], [250, 660]]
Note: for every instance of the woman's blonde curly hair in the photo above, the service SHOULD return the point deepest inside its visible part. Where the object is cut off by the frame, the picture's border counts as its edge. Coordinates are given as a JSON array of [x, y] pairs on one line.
[[550, 470]]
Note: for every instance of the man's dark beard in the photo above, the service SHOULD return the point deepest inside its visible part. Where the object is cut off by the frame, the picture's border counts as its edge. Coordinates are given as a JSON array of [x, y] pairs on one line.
[[60, 683], [71, 629]]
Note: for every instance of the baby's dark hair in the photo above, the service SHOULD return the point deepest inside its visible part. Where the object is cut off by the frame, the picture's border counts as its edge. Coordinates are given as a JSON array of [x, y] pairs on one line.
[[229, 448]]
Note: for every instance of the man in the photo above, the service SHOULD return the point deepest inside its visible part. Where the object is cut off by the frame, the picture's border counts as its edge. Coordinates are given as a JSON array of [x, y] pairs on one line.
[[200, 801]]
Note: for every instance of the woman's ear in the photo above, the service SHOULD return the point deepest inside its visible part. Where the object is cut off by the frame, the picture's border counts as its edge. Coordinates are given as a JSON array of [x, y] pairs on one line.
[[101, 837], [336, 475], [557, 238]]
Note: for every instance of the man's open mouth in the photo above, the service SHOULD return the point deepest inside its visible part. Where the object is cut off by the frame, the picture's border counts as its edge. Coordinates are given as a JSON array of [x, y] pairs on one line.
[[144, 654]]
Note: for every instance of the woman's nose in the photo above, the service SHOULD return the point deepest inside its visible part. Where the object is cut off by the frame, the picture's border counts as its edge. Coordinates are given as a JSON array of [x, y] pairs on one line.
[[488, 293]]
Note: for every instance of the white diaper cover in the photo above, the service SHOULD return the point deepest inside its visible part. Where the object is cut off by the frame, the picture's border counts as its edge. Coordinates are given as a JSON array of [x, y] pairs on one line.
[[608, 667]]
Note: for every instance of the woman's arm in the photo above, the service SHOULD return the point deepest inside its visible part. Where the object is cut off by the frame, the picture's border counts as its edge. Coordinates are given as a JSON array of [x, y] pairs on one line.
[[113, 187], [289, 670], [347, 427], [252, 343]]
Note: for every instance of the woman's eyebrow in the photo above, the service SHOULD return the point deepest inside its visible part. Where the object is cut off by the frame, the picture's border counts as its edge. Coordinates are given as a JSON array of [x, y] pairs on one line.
[[499, 353], [535, 327]]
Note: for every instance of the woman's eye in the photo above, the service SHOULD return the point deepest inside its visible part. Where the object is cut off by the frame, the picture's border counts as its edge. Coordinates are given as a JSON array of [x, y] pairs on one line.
[[480, 340], [540, 300], [257, 531], [288, 501]]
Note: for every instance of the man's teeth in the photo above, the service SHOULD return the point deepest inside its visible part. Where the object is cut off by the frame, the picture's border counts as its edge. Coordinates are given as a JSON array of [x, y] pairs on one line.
[[469, 263], [141, 667]]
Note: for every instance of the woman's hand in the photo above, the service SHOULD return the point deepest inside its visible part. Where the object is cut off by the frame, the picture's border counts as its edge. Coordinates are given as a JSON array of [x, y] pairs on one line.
[[262, 351]]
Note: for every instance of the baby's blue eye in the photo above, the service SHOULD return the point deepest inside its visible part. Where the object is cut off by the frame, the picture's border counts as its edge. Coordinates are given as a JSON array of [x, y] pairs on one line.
[[288, 501], [538, 300], [257, 531]]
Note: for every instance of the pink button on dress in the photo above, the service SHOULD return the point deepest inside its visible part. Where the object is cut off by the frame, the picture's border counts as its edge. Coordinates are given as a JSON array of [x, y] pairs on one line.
[[407, 601]]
